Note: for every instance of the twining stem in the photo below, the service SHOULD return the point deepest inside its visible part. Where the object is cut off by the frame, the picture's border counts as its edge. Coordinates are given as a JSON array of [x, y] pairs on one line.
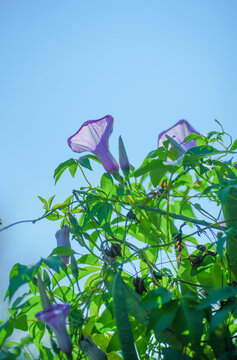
[[88, 182], [33, 221], [64, 297], [180, 217]]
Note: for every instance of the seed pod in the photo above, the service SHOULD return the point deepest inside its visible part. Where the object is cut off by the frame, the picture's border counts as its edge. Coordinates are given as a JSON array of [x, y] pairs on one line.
[[201, 247], [139, 285], [115, 250], [158, 276], [210, 252], [195, 260], [131, 215]]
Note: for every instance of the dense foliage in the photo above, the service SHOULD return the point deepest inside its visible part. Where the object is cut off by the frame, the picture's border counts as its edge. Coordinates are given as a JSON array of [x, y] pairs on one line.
[[153, 262]]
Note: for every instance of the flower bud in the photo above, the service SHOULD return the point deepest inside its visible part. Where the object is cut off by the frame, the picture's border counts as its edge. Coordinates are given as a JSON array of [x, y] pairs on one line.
[[91, 350], [43, 295], [62, 237], [123, 158]]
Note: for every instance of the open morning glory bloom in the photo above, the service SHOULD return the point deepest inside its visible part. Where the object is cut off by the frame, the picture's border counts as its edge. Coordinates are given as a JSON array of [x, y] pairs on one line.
[[179, 132], [62, 237], [93, 136], [55, 317]]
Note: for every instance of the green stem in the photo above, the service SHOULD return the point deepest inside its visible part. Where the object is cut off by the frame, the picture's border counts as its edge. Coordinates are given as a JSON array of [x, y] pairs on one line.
[[180, 217], [88, 182]]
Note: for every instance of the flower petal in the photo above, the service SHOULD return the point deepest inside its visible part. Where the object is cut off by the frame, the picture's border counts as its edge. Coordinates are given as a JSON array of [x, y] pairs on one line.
[[179, 132], [55, 317], [93, 136]]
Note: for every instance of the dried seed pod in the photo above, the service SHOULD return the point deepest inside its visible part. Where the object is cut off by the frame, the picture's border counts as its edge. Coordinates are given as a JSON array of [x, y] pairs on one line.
[[139, 285], [131, 215], [115, 250], [210, 252], [158, 276], [108, 252], [201, 247], [195, 260]]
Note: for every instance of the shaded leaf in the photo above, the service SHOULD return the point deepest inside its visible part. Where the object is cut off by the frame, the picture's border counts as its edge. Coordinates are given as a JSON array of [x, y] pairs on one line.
[[171, 354], [121, 316]]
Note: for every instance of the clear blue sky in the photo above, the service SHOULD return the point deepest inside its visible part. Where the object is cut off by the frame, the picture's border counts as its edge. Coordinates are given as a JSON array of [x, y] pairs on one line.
[[147, 63]]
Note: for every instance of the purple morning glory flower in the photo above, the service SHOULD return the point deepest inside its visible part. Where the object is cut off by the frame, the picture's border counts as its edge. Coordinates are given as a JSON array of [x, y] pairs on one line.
[[123, 158], [179, 132], [62, 237], [55, 317], [93, 136]]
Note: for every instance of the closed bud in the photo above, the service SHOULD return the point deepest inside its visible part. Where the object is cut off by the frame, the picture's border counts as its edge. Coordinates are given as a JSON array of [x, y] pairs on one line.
[[43, 295], [62, 237], [123, 158], [91, 350]]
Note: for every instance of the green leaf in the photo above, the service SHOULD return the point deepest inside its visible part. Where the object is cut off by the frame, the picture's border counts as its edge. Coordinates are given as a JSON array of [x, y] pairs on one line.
[[171, 354], [192, 136], [21, 274], [74, 267], [17, 302], [228, 197], [107, 184], [85, 162], [218, 295], [220, 246], [196, 153], [156, 297], [89, 259], [234, 145], [157, 175], [50, 201], [73, 169], [162, 318], [20, 323], [62, 251], [44, 202], [76, 228], [149, 165], [53, 262], [93, 157], [106, 322], [54, 216], [63, 166], [6, 330], [45, 353], [209, 274], [132, 299], [222, 314], [121, 316], [188, 325], [36, 328], [114, 344], [179, 151], [103, 213]]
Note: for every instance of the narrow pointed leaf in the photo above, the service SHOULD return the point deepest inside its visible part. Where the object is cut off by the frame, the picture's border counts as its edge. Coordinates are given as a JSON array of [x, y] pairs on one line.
[[122, 320]]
